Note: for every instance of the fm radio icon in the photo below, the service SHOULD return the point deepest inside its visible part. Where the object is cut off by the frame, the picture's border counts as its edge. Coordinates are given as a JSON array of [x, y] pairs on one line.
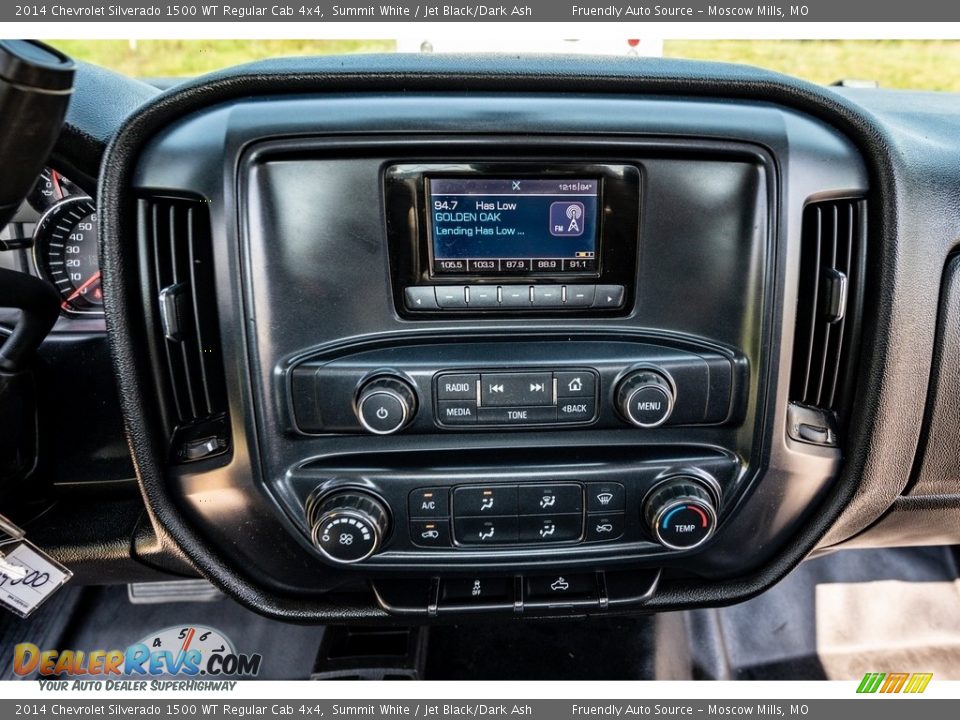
[[567, 218]]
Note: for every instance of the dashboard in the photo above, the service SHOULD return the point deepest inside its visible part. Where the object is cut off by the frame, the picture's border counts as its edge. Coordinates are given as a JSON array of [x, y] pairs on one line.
[[518, 350]]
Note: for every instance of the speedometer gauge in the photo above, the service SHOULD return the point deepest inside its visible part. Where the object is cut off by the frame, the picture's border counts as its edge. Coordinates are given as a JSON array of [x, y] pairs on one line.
[[65, 250]]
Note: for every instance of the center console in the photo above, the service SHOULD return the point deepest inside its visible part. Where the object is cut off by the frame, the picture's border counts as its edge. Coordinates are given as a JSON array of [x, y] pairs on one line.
[[536, 366]]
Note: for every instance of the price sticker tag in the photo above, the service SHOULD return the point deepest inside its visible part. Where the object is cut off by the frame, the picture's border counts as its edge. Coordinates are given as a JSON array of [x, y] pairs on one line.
[[28, 576]]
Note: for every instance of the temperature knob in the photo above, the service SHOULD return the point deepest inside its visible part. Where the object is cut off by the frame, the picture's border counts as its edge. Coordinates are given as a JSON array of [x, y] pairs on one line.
[[386, 405], [645, 398], [681, 513], [348, 527]]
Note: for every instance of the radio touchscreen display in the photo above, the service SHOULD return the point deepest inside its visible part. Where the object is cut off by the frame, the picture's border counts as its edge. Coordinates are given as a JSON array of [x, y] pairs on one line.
[[502, 226]]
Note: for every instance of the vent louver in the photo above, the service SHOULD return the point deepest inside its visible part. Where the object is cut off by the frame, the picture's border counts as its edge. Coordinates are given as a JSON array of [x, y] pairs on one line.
[[179, 270], [828, 307]]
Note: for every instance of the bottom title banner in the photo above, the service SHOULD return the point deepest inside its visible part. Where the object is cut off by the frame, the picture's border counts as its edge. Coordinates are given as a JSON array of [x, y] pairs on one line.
[[882, 708]]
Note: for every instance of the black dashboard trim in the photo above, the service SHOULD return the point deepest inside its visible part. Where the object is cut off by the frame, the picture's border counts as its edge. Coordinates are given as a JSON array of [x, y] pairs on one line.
[[887, 416]]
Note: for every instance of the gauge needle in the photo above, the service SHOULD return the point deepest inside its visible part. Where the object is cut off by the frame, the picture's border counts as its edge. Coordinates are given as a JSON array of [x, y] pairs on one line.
[[90, 281], [57, 190]]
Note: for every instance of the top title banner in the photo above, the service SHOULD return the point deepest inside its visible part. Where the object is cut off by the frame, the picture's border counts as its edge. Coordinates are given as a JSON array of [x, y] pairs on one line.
[[532, 11]]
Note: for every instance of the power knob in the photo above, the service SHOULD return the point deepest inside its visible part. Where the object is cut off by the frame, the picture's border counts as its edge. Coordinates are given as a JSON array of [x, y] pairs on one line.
[[681, 513], [645, 398], [348, 527], [386, 405]]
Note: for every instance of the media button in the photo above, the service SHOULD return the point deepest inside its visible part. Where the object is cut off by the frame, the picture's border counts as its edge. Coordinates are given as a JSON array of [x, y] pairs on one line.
[[457, 387], [483, 266], [457, 412], [576, 409], [485, 531], [578, 295], [550, 528], [483, 296], [451, 296], [515, 296]]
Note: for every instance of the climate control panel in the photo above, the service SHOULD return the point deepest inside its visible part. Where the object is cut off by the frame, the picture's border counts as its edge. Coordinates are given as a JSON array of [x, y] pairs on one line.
[[581, 503]]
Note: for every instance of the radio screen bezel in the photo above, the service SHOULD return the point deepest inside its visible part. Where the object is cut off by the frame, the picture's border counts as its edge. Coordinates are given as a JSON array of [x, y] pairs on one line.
[[406, 204]]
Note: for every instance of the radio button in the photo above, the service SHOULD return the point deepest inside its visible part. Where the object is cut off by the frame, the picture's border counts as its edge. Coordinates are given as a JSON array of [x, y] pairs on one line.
[[547, 265], [580, 265], [483, 296], [609, 296], [580, 295], [481, 501], [576, 384], [558, 499], [457, 387], [517, 415], [516, 265], [516, 389], [485, 531], [515, 296], [576, 409], [420, 297], [550, 528], [451, 296], [547, 296], [457, 412], [483, 266], [605, 497]]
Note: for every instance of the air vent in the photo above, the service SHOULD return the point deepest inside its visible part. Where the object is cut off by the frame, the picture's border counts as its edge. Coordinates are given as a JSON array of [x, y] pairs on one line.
[[828, 307], [178, 263]]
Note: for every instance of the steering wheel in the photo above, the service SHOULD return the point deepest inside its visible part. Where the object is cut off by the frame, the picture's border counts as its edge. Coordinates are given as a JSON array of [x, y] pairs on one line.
[[36, 82]]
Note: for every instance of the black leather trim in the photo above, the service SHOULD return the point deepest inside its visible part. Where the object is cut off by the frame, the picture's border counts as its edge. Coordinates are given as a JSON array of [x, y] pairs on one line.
[[887, 413]]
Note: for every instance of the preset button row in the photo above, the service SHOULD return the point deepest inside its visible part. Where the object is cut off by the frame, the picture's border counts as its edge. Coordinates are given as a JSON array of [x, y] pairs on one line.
[[512, 297]]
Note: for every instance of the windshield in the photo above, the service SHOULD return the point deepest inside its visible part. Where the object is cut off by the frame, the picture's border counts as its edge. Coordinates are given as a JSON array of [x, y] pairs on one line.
[[907, 64]]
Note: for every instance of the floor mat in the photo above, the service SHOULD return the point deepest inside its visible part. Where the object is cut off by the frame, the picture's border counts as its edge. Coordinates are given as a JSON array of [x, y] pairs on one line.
[[607, 649], [815, 623]]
